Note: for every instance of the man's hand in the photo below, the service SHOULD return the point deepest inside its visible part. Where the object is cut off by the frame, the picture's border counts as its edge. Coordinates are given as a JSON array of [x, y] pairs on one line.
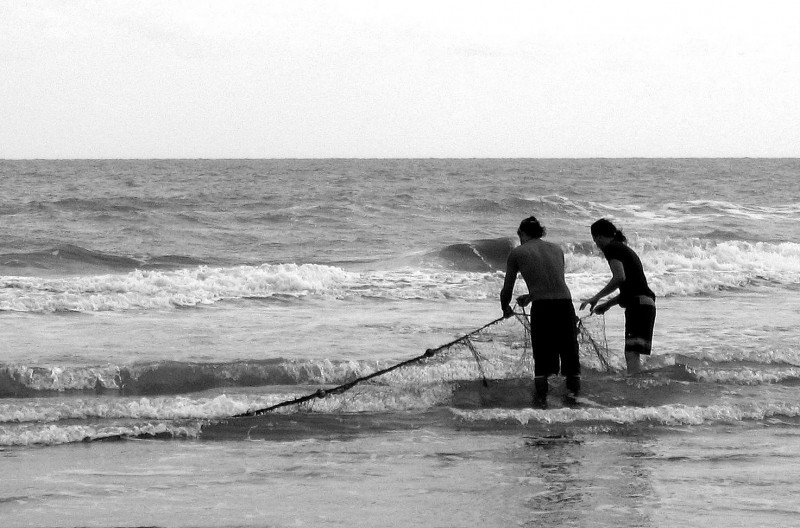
[[524, 300], [507, 311], [591, 301]]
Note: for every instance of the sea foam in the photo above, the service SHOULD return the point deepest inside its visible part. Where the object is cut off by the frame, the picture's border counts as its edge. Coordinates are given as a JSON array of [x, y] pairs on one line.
[[662, 415], [674, 267]]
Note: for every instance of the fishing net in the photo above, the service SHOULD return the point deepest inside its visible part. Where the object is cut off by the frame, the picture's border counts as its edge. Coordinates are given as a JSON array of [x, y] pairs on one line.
[[498, 350]]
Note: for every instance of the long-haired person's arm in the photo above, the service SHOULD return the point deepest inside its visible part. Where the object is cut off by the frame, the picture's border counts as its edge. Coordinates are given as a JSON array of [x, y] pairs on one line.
[[617, 278]]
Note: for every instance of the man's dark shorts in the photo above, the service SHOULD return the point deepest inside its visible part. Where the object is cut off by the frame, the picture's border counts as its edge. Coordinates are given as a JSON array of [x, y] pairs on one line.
[[554, 337], [640, 318]]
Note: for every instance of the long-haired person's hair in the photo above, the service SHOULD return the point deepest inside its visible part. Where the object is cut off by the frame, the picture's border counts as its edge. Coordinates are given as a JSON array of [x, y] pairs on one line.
[[531, 227], [605, 228]]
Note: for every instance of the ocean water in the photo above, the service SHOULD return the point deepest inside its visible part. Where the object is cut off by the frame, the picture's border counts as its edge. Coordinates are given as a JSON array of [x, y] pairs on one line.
[[145, 304]]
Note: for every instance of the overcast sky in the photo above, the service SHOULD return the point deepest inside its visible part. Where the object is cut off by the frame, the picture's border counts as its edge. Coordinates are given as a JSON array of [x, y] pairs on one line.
[[399, 78]]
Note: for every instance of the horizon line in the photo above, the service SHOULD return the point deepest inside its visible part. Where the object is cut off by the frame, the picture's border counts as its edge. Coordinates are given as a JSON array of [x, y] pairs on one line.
[[387, 158]]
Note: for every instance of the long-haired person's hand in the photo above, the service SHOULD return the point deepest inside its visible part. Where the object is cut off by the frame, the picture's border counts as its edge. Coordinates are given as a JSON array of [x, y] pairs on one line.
[[590, 302], [600, 309]]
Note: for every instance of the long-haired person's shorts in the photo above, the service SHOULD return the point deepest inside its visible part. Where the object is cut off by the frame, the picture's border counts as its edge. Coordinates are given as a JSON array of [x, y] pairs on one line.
[[640, 318]]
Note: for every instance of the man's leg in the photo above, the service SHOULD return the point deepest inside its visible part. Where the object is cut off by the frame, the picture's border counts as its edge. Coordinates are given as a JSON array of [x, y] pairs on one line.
[[570, 353], [540, 387], [634, 362], [573, 386]]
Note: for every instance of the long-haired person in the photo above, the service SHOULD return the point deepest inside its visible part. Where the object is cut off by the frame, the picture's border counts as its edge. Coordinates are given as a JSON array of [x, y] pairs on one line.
[[635, 296]]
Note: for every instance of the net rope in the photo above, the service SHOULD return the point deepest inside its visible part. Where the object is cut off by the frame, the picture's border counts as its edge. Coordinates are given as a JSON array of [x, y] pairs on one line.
[[479, 343]]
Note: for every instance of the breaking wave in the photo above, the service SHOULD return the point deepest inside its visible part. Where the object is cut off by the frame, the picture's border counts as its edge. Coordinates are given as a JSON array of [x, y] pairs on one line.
[[675, 267]]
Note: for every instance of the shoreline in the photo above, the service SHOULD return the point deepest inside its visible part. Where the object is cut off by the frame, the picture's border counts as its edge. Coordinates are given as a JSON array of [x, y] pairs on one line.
[[627, 478]]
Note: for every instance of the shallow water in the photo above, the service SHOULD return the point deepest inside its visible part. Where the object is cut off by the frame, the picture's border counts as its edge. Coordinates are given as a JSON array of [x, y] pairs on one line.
[[144, 303], [717, 476]]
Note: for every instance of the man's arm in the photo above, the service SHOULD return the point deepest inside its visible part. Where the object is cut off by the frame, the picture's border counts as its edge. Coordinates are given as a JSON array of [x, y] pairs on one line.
[[508, 286]]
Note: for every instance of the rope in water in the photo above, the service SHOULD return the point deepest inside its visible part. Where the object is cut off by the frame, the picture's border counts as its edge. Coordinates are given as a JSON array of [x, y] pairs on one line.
[[429, 353], [464, 340]]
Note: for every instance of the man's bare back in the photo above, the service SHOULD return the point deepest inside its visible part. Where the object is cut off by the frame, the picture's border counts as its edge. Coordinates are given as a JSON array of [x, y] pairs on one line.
[[542, 267]]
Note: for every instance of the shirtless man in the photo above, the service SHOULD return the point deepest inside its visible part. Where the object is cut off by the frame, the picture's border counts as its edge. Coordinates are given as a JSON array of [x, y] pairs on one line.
[[553, 321]]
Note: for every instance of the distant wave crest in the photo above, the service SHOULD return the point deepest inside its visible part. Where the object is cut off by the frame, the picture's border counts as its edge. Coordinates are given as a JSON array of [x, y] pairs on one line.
[[154, 289], [694, 266], [468, 271], [479, 255], [72, 259]]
